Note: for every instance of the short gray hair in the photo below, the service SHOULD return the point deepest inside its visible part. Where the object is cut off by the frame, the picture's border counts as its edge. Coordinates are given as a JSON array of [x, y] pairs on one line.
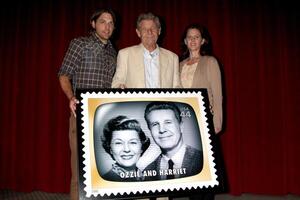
[[148, 16]]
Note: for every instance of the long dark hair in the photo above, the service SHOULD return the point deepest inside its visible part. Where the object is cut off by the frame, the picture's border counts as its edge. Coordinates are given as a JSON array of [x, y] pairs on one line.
[[206, 47]]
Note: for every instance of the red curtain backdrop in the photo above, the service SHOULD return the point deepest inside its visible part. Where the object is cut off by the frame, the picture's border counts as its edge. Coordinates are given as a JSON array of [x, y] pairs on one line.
[[256, 41]]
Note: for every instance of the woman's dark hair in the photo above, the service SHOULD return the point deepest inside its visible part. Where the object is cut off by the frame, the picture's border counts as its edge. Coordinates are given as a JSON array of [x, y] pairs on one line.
[[121, 123], [206, 47]]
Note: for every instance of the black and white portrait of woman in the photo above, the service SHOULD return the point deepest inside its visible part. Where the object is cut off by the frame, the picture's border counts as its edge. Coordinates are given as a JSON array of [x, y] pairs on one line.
[[124, 140]]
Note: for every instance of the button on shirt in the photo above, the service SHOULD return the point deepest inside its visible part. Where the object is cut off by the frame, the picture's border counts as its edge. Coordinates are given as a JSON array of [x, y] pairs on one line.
[[151, 62], [177, 160]]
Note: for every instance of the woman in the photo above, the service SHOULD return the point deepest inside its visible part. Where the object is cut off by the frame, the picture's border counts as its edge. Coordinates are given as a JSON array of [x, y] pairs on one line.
[[125, 141], [199, 69]]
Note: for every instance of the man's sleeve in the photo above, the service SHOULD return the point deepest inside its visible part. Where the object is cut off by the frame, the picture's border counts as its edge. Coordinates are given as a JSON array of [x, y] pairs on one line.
[[71, 60], [121, 71], [176, 77]]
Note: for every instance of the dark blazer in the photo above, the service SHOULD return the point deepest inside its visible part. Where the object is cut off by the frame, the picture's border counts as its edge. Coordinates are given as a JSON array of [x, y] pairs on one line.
[[192, 161]]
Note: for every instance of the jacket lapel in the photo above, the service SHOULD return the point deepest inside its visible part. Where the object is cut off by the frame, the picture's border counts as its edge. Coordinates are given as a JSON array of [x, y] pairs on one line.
[[139, 62]]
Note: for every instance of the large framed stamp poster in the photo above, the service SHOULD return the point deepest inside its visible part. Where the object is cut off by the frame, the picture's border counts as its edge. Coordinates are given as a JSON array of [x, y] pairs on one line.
[[138, 143]]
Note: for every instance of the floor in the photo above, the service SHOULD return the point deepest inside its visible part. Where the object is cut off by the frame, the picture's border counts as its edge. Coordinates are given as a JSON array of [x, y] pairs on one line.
[[38, 195]]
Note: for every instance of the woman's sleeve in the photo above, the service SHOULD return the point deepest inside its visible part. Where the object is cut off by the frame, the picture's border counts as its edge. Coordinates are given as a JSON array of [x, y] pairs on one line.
[[214, 75]]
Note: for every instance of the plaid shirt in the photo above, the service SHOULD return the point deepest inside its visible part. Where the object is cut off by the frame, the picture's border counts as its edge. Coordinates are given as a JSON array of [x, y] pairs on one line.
[[89, 63]]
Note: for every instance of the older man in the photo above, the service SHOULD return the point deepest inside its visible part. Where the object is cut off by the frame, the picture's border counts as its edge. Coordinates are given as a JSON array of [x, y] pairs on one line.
[[147, 65]]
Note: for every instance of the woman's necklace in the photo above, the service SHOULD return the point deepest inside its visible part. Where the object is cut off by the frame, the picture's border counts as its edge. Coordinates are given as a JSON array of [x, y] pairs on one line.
[[193, 60]]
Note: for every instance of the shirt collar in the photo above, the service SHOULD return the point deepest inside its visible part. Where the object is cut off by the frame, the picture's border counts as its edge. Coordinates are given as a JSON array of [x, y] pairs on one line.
[[151, 54], [97, 40], [178, 157]]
